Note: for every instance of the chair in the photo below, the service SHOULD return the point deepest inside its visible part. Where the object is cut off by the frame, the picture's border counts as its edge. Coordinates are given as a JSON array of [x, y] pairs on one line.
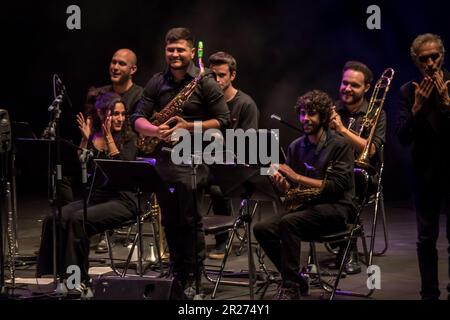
[[353, 231], [377, 200], [151, 213]]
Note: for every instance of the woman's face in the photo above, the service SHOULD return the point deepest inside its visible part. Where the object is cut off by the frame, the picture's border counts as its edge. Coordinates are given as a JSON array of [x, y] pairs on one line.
[[118, 117]]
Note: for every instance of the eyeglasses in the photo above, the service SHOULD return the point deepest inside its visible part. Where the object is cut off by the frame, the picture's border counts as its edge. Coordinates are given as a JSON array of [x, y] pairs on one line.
[[433, 56]]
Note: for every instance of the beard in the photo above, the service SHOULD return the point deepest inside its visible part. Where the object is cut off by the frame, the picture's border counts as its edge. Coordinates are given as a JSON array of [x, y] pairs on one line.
[[311, 128]]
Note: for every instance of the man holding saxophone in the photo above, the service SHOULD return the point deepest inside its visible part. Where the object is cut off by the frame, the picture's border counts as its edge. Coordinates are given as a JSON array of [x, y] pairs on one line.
[[180, 217], [347, 119], [424, 122], [322, 163]]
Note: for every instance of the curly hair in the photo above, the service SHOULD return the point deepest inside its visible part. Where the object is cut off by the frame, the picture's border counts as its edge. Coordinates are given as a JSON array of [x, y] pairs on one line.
[[316, 101]]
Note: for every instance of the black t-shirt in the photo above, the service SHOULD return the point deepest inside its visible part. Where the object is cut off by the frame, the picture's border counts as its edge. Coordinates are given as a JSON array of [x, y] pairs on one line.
[[244, 113], [130, 97]]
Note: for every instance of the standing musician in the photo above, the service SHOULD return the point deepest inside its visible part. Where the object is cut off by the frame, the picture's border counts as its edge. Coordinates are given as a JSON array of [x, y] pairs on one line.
[[180, 216], [346, 119], [110, 137], [424, 122], [308, 165], [244, 115]]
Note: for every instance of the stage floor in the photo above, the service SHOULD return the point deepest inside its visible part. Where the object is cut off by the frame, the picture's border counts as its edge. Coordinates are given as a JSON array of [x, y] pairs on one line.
[[398, 266]]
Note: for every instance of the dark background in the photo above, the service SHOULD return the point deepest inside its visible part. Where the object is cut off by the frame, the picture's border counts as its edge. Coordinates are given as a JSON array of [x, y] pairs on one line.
[[283, 49]]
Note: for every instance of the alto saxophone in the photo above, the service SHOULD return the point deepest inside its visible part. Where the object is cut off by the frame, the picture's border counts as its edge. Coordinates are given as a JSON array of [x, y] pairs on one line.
[[173, 108], [294, 198]]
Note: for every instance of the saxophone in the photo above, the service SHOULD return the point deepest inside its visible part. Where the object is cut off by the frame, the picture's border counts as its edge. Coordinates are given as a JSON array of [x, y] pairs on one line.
[[158, 229], [294, 198], [148, 144]]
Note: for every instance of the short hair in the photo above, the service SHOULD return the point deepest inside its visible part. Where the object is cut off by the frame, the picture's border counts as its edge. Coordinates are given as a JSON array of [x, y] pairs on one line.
[[222, 57], [361, 67], [180, 33], [318, 101], [420, 40]]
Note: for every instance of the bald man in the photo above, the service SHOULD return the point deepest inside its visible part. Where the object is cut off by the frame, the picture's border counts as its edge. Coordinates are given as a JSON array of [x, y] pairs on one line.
[[122, 67]]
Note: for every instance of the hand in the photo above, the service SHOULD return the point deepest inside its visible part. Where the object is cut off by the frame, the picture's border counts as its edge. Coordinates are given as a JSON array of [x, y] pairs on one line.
[[336, 121], [85, 126], [106, 125], [421, 93], [288, 172], [166, 133], [280, 182], [442, 87]]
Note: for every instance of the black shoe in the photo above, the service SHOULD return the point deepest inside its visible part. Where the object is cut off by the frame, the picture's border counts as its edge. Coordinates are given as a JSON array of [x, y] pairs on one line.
[[288, 292], [352, 266]]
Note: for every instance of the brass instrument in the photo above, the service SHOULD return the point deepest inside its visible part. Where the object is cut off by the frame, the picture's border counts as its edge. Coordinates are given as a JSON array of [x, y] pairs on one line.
[[158, 230], [372, 117], [294, 198], [173, 108]]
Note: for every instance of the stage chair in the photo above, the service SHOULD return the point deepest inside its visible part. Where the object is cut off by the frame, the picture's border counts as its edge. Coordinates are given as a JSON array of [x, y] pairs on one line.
[[354, 230]]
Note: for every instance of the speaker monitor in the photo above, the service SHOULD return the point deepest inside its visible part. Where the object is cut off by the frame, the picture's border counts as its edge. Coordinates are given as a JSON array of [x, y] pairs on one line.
[[132, 288]]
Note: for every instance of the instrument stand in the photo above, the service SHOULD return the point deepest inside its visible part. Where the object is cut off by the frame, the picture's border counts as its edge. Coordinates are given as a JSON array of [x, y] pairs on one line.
[[249, 186], [3, 186]]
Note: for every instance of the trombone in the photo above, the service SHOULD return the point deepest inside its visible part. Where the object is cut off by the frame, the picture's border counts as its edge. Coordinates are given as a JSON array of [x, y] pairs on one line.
[[370, 120]]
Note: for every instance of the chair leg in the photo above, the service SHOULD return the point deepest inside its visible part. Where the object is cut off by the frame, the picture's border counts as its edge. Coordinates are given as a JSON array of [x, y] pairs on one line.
[[110, 253]]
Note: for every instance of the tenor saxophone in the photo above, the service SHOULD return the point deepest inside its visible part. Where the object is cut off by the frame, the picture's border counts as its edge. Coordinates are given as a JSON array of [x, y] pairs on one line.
[[148, 144]]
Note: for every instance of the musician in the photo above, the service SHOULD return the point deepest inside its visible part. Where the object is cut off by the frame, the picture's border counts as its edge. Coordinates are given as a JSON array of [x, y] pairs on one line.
[[346, 119], [307, 161], [424, 123], [180, 216], [110, 137], [244, 115]]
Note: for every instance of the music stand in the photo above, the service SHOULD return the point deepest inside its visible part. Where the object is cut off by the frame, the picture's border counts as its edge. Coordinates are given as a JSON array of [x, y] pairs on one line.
[[135, 176], [244, 181]]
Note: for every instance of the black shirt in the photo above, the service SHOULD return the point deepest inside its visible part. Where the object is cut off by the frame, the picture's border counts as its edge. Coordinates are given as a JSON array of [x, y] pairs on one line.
[[244, 113], [206, 102], [380, 131], [130, 97], [312, 161]]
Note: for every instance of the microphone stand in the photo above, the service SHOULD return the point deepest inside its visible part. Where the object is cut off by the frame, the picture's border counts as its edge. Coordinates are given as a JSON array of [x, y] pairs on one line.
[[57, 214], [84, 157]]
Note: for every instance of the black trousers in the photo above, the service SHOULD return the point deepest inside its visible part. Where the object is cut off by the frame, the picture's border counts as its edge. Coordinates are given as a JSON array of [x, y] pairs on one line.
[[430, 203], [280, 236], [75, 241], [181, 218]]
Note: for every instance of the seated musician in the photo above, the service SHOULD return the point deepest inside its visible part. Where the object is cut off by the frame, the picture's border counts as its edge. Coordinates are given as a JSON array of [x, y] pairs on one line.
[[110, 137], [322, 162]]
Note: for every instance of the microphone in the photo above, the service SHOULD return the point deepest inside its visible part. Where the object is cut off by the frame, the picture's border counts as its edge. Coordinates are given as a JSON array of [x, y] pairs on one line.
[[278, 118], [62, 89], [56, 102]]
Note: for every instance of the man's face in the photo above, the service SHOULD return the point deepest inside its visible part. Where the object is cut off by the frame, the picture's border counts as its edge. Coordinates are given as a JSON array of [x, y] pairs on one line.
[[118, 117], [179, 54], [223, 75], [121, 67], [429, 59], [310, 121], [352, 87]]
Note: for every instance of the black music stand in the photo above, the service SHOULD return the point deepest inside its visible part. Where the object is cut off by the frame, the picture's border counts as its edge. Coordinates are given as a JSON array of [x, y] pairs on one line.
[[135, 176], [246, 182]]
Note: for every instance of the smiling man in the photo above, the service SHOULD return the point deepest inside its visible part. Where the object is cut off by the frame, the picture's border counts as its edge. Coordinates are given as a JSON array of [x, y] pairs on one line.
[[180, 216], [424, 123], [347, 119], [309, 158]]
